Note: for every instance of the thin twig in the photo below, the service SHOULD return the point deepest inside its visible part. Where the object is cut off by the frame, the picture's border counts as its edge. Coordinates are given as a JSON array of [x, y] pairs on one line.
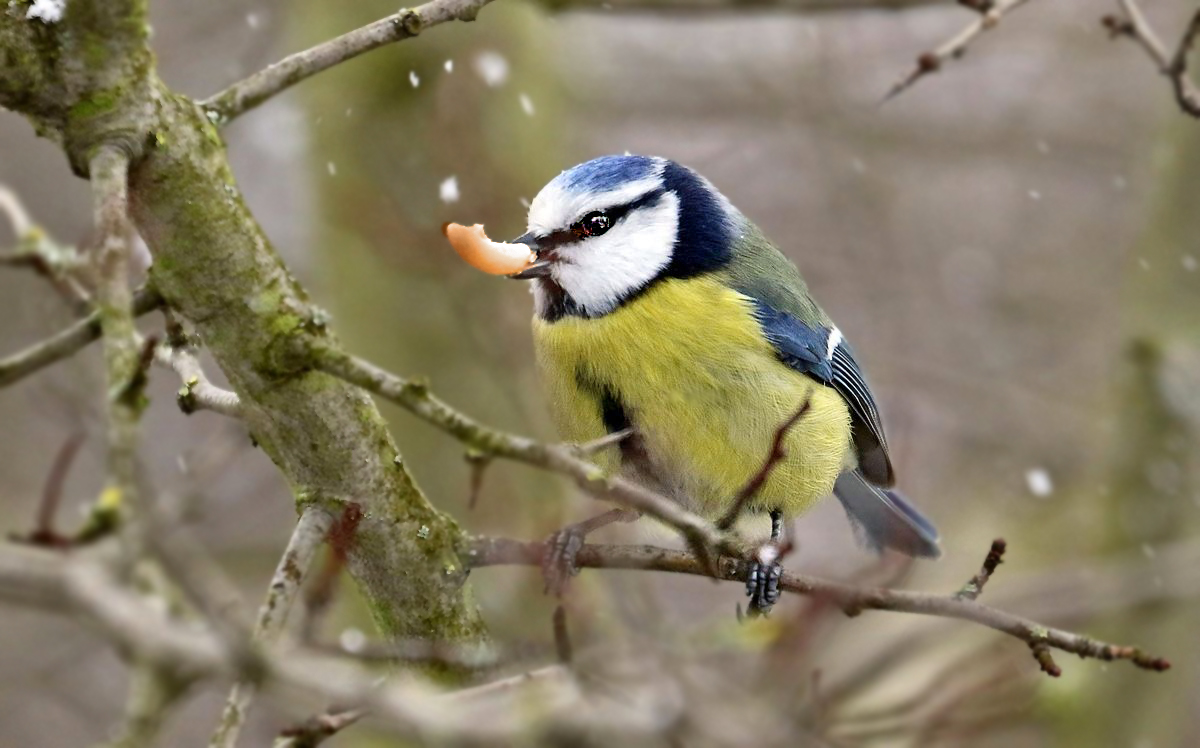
[[478, 464], [1173, 65], [35, 250], [197, 392], [850, 598], [12, 207], [994, 558], [44, 532], [956, 46], [587, 449], [405, 24], [775, 456], [308, 536], [562, 636], [68, 342], [317, 730]]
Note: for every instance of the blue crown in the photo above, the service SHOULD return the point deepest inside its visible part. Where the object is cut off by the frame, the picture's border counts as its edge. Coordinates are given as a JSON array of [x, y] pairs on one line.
[[607, 172]]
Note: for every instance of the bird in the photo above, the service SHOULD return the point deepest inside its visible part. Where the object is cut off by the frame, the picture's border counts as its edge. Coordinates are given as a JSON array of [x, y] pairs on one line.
[[663, 312]]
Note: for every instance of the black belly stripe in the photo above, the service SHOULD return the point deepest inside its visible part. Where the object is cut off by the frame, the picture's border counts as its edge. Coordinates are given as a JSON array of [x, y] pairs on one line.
[[615, 417]]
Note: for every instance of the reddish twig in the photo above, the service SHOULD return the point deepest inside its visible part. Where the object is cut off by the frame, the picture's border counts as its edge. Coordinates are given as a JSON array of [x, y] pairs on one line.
[[774, 457], [320, 594], [994, 558], [43, 533], [1134, 25], [317, 730], [989, 17], [479, 463], [562, 637]]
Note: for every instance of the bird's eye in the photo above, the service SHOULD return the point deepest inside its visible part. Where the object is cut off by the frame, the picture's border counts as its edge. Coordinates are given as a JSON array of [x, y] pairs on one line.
[[593, 224]]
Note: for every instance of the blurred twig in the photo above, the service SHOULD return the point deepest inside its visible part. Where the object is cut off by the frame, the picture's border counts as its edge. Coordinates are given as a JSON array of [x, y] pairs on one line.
[[109, 172], [308, 536], [1133, 24], [989, 15], [316, 730], [994, 558], [43, 532], [35, 250], [405, 24], [850, 598], [68, 342]]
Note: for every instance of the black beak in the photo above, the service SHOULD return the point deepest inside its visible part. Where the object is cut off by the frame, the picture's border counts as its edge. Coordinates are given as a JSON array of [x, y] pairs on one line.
[[540, 267]]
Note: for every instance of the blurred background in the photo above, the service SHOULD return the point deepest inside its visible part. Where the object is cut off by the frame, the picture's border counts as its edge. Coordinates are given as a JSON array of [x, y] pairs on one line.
[[1013, 246]]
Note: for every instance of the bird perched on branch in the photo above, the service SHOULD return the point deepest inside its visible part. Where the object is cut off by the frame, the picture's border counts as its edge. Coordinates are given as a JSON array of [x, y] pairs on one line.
[[662, 309]]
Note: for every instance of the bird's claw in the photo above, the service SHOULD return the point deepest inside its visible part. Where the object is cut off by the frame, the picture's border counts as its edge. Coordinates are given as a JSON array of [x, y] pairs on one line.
[[762, 581], [558, 564]]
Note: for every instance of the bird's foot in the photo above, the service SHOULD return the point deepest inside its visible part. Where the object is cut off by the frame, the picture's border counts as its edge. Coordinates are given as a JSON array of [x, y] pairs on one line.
[[558, 563], [762, 580]]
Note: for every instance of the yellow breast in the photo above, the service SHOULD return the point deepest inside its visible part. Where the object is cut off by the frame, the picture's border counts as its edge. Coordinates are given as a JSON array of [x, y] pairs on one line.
[[703, 387]]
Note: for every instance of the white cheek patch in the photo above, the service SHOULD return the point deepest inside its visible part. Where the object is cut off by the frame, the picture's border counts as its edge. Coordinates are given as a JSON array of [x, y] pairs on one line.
[[556, 208], [599, 272]]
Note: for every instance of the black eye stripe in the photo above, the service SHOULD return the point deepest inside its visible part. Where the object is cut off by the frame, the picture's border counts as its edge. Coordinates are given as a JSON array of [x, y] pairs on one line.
[[614, 214]]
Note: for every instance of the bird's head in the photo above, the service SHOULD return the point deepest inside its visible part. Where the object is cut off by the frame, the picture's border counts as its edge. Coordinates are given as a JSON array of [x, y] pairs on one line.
[[606, 230]]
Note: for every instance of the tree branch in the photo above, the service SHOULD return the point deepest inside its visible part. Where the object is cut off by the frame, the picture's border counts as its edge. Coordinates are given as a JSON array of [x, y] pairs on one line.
[[989, 13], [280, 76], [851, 599], [416, 398], [306, 539], [68, 342], [1173, 65], [109, 171]]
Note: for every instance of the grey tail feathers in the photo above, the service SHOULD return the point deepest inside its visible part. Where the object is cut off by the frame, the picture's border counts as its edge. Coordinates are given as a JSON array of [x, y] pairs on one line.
[[884, 519]]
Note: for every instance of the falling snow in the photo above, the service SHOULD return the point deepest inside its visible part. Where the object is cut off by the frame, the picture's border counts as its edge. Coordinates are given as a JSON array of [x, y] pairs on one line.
[[448, 190], [413, 78], [332, 167], [449, 66], [1035, 195], [47, 11], [352, 640], [492, 68], [252, 20], [526, 104], [1189, 263], [1039, 482]]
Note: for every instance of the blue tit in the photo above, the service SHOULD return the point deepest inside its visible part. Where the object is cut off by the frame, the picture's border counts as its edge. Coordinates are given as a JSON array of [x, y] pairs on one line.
[[660, 308]]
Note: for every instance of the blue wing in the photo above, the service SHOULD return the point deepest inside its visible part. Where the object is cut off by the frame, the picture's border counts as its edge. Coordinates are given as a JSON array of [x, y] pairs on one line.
[[881, 518], [822, 353]]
